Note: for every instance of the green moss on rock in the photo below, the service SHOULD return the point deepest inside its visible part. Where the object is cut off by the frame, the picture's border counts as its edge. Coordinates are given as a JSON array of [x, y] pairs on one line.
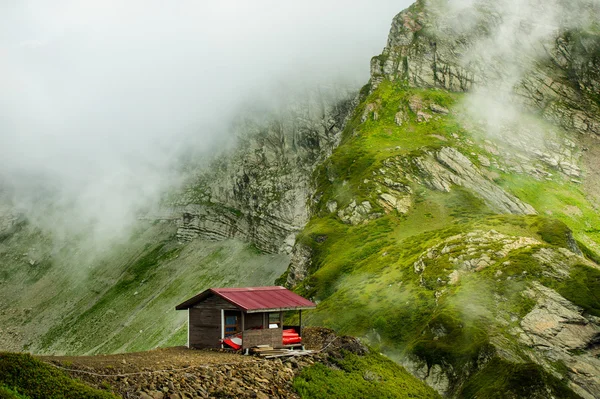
[[502, 379], [353, 376], [582, 288]]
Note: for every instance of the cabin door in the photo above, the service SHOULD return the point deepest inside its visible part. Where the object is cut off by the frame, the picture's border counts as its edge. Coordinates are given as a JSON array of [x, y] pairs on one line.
[[232, 322]]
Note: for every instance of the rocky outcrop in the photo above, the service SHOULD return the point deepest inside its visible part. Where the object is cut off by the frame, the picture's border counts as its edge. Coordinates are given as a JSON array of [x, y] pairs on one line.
[[299, 264], [259, 191], [215, 223], [555, 72], [448, 166], [440, 171], [411, 56], [356, 213], [435, 376], [559, 331], [468, 253]]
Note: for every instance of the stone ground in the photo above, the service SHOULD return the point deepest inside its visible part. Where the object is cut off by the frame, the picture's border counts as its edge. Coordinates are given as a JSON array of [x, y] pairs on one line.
[[180, 372]]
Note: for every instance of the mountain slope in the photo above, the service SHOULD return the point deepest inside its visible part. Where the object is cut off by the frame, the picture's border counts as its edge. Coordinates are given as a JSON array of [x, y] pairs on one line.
[[122, 301], [232, 223], [464, 252]]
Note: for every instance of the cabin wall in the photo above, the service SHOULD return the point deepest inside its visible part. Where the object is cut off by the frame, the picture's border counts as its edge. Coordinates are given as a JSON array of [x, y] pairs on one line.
[[267, 336], [205, 322]]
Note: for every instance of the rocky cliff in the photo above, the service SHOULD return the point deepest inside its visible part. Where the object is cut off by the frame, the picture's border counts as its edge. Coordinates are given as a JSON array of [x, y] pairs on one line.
[[551, 62], [259, 191]]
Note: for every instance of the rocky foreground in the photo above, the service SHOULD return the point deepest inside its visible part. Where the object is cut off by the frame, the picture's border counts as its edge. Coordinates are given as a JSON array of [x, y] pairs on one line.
[[179, 372]]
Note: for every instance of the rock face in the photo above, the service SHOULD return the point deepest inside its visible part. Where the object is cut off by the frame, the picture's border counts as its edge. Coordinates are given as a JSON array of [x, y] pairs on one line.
[[216, 224], [299, 264], [259, 191], [557, 330], [559, 73], [449, 166]]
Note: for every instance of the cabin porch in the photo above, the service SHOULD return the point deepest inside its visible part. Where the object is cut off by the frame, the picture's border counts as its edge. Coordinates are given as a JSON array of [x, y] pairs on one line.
[[259, 328]]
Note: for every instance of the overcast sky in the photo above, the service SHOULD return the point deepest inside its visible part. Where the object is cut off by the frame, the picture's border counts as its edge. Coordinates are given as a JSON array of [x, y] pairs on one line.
[[92, 93]]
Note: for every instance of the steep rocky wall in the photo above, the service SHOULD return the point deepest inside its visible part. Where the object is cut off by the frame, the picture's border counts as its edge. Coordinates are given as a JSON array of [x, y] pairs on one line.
[[557, 76], [259, 191]]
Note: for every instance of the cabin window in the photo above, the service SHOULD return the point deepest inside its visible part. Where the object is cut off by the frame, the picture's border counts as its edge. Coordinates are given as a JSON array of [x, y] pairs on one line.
[[274, 320], [231, 324]]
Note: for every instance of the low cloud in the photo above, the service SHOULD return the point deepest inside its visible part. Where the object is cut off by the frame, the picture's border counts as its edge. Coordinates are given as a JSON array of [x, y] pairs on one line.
[[98, 98], [506, 41]]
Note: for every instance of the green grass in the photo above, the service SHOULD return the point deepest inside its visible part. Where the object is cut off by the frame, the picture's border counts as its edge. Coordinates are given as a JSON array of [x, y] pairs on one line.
[[501, 379], [554, 232], [7, 393], [34, 379], [118, 312], [561, 200], [582, 288], [370, 376]]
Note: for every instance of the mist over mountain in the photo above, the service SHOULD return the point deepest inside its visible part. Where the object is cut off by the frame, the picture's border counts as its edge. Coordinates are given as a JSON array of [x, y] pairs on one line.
[[99, 99]]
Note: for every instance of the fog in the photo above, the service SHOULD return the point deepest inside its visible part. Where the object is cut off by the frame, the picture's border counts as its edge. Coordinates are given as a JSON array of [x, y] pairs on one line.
[[511, 38], [97, 98]]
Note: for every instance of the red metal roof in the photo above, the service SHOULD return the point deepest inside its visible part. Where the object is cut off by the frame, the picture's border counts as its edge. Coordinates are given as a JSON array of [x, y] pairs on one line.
[[254, 299]]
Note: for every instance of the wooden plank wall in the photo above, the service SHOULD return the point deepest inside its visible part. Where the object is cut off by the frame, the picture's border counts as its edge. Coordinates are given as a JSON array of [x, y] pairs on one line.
[[205, 326], [267, 336], [205, 322]]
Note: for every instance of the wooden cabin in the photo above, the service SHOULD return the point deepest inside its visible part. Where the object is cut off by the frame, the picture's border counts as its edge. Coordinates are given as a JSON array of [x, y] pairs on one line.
[[254, 314]]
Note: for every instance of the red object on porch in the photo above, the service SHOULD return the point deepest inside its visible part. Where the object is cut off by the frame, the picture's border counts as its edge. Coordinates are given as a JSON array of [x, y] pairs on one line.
[[291, 337], [235, 342]]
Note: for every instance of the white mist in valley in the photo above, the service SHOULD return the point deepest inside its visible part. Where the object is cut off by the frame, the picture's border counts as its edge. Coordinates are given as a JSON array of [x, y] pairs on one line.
[[98, 98]]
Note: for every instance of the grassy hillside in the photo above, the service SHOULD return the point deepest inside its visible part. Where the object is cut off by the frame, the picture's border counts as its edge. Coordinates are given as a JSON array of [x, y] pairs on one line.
[[428, 266], [123, 300], [368, 376], [23, 377]]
